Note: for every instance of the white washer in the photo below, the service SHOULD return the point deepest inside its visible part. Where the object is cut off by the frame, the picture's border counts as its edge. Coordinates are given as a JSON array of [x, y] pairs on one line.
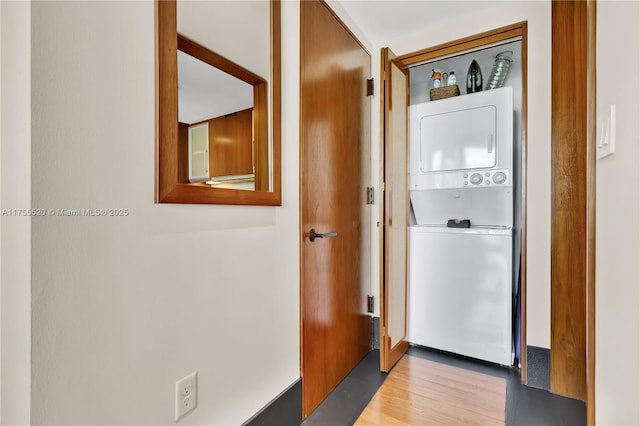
[[460, 290]]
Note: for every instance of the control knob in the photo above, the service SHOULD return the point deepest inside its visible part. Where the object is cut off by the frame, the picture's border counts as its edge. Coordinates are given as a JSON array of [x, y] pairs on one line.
[[476, 178], [499, 177]]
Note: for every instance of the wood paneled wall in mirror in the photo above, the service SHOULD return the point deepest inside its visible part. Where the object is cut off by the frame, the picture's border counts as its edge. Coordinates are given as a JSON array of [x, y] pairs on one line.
[[218, 102]]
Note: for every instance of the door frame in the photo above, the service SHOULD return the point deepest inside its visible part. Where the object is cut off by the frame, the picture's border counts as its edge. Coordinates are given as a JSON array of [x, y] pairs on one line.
[[514, 32], [591, 210], [573, 202], [584, 188]]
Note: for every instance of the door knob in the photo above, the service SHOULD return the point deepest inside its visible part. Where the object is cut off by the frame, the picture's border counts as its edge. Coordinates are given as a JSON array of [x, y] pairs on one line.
[[313, 235]]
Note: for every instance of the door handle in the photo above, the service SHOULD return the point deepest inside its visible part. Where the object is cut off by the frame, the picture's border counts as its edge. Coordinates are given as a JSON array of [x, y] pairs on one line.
[[490, 144], [313, 235]]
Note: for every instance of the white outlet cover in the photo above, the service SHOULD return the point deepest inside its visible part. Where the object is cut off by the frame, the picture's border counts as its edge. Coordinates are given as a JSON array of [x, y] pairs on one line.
[[186, 395]]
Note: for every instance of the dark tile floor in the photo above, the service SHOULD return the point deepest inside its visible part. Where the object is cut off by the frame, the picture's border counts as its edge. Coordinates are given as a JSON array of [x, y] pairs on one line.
[[344, 405], [525, 405]]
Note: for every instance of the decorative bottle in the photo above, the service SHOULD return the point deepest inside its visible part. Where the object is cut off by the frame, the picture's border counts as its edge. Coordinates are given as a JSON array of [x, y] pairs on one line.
[[437, 78], [500, 70], [452, 79], [474, 78]]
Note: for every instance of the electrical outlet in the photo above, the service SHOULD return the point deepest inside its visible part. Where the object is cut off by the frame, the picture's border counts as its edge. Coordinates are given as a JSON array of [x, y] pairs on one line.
[[186, 394]]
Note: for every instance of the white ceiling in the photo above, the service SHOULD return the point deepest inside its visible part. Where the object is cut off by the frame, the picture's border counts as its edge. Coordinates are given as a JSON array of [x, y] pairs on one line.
[[236, 30], [383, 20], [205, 92], [379, 20]]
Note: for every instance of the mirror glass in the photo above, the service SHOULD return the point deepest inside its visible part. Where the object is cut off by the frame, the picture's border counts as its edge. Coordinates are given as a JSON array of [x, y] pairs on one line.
[[222, 133], [224, 95]]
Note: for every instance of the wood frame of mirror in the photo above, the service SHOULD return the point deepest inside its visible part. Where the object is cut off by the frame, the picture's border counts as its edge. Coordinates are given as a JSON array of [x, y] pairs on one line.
[[169, 189]]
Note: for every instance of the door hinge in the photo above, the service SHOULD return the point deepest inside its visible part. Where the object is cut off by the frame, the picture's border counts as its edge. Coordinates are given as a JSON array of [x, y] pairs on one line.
[[370, 304], [370, 87], [370, 193]]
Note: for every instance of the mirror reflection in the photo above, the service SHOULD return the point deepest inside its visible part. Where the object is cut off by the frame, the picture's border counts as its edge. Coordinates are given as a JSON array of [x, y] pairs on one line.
[[216, 125]]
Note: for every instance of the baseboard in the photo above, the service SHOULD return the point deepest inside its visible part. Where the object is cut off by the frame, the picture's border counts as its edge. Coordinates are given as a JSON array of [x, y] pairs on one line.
[[375, 332], [538, 370], [284, 410]]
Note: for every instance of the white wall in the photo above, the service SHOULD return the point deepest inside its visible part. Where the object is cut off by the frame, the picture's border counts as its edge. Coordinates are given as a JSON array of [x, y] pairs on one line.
[[122, 307], [15, 231], [214, 23], [617, 212], [538, 15]]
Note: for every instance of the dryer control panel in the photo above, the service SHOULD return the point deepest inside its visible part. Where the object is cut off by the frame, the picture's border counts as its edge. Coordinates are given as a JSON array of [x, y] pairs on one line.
[[466, 179]]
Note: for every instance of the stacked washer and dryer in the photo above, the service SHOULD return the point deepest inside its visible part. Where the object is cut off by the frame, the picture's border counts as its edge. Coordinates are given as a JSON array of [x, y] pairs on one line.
[[461, 282]]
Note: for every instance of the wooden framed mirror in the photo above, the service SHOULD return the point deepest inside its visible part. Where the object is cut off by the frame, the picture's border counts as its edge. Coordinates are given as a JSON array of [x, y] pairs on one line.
[[191, 168]]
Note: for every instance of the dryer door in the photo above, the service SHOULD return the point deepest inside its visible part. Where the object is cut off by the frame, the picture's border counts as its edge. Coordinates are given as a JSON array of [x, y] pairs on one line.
[[458, 140]]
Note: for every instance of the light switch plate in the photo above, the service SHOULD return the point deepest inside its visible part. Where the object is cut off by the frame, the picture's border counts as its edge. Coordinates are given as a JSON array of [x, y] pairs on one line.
[[606, 143]]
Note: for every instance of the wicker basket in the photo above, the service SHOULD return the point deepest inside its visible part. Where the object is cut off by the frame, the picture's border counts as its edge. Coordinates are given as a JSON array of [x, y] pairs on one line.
[[444, 92]]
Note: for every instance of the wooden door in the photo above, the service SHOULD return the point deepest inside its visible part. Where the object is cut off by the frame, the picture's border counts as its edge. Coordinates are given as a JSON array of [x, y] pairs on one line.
[[231, 144], [393, 312], [335, 131]]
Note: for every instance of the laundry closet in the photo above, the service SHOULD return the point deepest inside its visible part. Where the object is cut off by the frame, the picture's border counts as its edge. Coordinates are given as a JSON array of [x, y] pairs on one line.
[[465, 205]]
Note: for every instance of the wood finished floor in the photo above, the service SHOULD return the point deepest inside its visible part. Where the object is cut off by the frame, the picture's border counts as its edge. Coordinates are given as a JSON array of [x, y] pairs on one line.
[[423, 392], [525, 406]]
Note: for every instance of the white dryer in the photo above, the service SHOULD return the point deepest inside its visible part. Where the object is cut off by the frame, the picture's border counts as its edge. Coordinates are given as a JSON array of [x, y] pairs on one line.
[[463, 141]]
